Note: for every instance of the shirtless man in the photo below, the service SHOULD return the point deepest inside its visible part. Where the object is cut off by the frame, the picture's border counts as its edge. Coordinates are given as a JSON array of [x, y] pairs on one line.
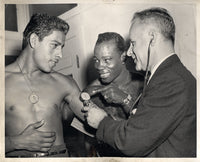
[[35, 94]]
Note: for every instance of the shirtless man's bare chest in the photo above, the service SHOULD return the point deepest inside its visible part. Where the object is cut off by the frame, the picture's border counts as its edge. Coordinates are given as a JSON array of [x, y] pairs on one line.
[[20, 112]]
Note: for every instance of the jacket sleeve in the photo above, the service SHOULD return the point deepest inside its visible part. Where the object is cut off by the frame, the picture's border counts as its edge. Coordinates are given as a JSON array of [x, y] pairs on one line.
[[160, 111]]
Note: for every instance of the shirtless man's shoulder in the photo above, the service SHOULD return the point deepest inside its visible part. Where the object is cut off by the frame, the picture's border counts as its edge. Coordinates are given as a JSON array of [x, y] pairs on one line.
[[64, 80], [66, 84], [11, 69], [11, 73]]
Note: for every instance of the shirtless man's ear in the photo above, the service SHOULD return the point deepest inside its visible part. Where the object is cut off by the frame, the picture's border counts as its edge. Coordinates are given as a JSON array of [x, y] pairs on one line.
[[33, 40]]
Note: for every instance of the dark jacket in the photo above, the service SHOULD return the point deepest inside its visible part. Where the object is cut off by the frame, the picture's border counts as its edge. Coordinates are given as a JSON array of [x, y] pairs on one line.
[[164, 124]]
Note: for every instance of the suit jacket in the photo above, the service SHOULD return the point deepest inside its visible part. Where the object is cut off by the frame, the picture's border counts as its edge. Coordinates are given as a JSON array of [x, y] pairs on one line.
[[164, 124]]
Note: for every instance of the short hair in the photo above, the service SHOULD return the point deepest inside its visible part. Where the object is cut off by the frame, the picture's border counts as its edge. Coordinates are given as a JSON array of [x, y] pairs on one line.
[[161, 18], [43, 25], [117, 38]]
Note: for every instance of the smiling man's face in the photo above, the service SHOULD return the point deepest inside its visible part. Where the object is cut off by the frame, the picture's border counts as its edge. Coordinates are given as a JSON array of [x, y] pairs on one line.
[[108, 61]]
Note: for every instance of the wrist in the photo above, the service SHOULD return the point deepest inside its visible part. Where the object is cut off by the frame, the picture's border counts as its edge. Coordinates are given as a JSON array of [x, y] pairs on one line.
[[14, 141]]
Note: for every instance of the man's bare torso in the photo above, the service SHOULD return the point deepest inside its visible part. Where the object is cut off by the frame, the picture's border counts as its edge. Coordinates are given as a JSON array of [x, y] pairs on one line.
[[20, 112]]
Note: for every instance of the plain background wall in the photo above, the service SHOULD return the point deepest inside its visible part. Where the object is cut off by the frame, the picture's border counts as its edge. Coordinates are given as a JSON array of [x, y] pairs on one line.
[[117, 17]]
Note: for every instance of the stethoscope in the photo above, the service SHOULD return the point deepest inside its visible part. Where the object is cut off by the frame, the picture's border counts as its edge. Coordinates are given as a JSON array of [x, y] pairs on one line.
[[145, 80], [147, 67]]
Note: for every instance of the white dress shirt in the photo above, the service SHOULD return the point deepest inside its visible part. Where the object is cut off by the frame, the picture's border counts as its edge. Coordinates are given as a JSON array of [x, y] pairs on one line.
[[157, 65]]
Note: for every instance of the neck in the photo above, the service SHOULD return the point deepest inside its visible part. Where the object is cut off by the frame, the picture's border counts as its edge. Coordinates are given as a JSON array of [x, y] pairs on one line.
[[164, 49], [26, 63]]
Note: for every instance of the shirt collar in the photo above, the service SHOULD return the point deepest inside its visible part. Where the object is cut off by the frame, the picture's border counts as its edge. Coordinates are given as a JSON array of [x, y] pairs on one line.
[[158, 64]]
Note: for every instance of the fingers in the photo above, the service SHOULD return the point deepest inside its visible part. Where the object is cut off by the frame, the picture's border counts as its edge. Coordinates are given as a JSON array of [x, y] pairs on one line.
[[43, 147], [96, 89], [85, 109], [108, 99], [101, 89], [106, 91], [105, 95], [47, 134], [37, 140], [48, 137], [41, 137], [48, 140], [45, 141], [38, 124]]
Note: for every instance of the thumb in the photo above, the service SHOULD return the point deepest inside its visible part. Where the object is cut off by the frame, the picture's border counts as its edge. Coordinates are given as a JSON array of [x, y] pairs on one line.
[[85, 108], [38, 124], [99, 90]]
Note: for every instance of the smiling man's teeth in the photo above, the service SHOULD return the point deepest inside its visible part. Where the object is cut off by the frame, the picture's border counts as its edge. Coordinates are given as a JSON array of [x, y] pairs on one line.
[[104, 75]]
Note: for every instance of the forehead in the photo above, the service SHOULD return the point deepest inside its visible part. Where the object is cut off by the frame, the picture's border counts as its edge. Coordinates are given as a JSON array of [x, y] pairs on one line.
[[55, 35], [106, 48], [137, 29]]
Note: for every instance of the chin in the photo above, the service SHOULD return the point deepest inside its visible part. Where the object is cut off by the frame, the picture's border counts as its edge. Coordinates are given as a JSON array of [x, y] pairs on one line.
[[47, 70], [106, 80]]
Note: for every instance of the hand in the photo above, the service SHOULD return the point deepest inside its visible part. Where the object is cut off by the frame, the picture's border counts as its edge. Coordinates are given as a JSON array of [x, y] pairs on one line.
[[112, 94], [33, 140], [92, 90], [94, 115]]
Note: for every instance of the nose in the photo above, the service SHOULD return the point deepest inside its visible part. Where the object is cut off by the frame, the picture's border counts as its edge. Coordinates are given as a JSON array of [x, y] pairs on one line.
[[130, 52], [60, 53]]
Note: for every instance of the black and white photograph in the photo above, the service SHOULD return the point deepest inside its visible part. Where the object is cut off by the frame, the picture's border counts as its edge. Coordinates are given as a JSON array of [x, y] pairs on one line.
[[103, 80]]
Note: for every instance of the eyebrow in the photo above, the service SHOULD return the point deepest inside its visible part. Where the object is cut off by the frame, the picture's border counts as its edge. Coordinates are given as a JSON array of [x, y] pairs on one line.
[[103, 57], [58, 43], [107, 56]]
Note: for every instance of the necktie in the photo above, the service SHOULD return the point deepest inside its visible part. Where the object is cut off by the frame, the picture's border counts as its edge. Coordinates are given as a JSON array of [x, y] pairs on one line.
[[133, 109]]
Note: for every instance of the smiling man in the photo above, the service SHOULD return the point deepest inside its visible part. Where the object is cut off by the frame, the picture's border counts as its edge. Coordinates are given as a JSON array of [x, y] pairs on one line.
[[115, 84], [36, 96], [116, 88]]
